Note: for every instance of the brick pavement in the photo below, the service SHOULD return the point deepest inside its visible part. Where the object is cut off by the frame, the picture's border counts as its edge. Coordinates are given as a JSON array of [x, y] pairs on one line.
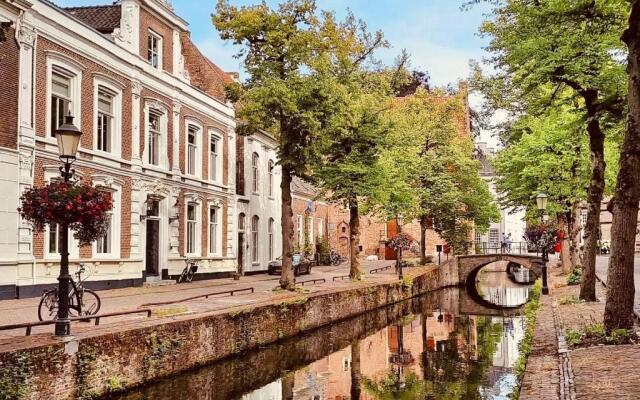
[[600, 372], [25, 310]]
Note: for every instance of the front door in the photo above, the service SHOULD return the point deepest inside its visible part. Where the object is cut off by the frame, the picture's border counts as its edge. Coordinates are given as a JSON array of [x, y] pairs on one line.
[[240, 253], [152, 250]]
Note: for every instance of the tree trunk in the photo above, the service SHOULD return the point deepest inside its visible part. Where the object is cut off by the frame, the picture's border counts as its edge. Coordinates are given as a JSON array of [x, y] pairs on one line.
[[356, 372], [354, 239], [574, 234], [624, 204], [565, 262], [424, 222], [596, 188], [287, 280]]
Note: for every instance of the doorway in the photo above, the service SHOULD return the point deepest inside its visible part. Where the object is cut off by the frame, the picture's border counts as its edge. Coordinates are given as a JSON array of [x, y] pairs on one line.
[[240, 253], [152, 247]]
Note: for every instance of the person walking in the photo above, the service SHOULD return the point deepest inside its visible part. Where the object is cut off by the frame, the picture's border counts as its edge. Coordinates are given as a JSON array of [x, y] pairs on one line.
[[503, 243]]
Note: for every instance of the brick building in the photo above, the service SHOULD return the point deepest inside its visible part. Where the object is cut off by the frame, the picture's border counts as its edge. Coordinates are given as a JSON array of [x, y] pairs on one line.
[[157, 134]]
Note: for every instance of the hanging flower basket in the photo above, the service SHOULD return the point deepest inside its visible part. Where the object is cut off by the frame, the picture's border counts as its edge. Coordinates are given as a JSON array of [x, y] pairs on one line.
[[402, 241], [543, 236], [83, 207]]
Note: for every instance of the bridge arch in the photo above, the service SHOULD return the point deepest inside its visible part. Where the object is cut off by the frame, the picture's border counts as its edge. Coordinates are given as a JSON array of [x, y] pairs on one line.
[[469, 266]]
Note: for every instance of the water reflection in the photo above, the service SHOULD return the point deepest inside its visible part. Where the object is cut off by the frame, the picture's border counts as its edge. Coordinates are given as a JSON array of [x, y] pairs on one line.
[[503, 285], [425, 348]]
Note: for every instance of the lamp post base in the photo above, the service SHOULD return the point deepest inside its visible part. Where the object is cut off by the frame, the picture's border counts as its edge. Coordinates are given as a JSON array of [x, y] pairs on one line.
[[63, 327]]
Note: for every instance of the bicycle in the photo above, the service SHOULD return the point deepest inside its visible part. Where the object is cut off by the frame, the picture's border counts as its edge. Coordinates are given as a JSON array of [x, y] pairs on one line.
[[189, 271], [336, 258], [81, 301]]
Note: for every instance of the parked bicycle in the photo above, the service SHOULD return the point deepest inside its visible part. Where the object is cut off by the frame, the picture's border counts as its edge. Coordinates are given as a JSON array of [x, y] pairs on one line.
[[336, 258], [81, 301], [189, 271]]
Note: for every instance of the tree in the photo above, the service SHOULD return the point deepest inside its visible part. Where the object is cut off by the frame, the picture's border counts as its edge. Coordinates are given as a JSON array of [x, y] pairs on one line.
[[285, 93], [541, 48], [624, 204]]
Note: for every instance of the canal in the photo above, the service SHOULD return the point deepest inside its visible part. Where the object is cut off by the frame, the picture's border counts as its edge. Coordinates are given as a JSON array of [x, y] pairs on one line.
[[438, 346]]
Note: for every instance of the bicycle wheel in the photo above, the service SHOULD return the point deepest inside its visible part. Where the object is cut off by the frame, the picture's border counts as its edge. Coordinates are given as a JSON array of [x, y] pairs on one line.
[[48, 307], [190, 275], [90, 302], [183, 275]]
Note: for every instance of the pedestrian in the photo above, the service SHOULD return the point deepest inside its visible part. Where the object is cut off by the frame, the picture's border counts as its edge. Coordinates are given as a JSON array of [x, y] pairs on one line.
[[503, 243], [509, 242]]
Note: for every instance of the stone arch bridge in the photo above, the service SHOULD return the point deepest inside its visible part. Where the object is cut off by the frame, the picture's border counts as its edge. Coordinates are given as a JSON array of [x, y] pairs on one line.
[[462, 270]]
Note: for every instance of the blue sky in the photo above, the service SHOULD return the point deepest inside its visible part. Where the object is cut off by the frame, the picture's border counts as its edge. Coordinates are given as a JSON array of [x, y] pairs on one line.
[[439, 36]]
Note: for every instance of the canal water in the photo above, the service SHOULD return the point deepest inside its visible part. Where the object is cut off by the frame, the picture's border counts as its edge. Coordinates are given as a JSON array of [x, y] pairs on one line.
[[442, 345]]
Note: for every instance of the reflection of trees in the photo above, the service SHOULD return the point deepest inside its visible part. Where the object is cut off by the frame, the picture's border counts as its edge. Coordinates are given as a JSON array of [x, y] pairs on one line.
[[356, 372], [459, 371], [394, 386]]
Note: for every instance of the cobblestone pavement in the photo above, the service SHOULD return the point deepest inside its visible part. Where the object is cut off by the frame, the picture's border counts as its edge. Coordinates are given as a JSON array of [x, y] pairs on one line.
[[25, 310], [600, 372]]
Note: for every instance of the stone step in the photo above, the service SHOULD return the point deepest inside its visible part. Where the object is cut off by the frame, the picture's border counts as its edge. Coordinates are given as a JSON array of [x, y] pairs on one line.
[[161, 282]]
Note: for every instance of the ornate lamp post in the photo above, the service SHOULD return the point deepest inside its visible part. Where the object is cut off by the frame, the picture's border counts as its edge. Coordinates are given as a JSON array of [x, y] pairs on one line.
[[541, 202], [68, 136]]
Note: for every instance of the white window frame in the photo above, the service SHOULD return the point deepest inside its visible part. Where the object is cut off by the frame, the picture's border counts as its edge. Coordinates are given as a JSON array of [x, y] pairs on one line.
[[309, 220], [116, 216], [215, 165], [74, 249], [300, 230], [255, 173], [255, 239], [73, 70], [216, 228], [271, 167], [116, 118], [270, 237], [160, 42], [320, 225], [197, 162], [197, 226], [161, 110]]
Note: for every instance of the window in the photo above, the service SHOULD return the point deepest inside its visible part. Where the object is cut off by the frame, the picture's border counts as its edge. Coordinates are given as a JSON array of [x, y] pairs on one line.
[[213, 157], [192, 228], [54, 239], [494, 237], [154, 137], [60, 99], [154, 46], [105, 119], [309, 229], [270, 232], [109, 245], [255, 159], [192, 149], [271, 170], [241, 222], [320, 228], [254, 238], [478, 237], [213, 229], [299, 230]]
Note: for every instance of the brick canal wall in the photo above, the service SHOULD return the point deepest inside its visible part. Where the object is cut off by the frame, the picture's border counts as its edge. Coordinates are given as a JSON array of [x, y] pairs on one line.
[[91, 366]]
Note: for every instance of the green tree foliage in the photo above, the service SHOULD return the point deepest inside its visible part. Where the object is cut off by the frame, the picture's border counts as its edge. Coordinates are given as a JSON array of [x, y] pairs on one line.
[[289, 54], [433, 176], [550, 52]]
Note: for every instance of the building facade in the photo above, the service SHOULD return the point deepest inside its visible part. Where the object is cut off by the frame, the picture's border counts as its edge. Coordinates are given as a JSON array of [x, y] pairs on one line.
[[157, 134], [259, 202]]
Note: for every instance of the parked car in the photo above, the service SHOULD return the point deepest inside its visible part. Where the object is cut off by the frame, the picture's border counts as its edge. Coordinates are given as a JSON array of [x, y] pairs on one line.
[[300, 265]]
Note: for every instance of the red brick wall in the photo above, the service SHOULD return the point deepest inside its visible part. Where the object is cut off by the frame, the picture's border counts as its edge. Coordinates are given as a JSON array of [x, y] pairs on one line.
[[9, 86], [147, 93], [87, 100], [204, 242], [320, 210], [149, 22], [204, 74]]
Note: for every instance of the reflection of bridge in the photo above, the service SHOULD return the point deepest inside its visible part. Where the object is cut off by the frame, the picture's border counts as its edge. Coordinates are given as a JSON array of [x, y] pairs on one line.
[[464, 302], [463, 270]]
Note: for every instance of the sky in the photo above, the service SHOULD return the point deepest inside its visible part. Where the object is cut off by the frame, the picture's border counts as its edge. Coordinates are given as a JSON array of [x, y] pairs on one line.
[[440, 37]]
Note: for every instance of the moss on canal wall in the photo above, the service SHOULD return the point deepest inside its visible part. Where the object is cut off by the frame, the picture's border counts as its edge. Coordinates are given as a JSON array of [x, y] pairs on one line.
[[113, 360]]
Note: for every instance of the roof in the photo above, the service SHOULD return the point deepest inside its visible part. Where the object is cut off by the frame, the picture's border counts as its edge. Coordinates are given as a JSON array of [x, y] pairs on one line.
[[302, 187], [203, 73], [104, 19]]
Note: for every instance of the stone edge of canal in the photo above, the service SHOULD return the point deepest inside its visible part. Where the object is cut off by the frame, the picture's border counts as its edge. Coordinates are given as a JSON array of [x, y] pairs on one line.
[[92, 366]]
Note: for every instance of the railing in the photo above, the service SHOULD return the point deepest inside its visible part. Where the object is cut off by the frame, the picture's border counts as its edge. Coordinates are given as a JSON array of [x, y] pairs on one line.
[[376, 270], [311, 281], [29, 325], [341, 277], [498, 248], [206, 296]]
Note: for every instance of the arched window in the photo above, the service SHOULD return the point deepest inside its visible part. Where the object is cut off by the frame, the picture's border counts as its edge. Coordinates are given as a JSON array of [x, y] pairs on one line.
[[270, 232], [241, 222], [254, 238], [271, 170], [255, 159]]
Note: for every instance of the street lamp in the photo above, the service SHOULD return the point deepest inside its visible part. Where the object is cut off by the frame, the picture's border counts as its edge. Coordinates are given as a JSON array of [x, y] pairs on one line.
[[541, 201], [68, 136], [399, 255]]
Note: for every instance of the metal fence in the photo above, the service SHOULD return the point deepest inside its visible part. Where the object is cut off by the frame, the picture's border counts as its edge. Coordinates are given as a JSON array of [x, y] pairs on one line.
[[510, 248]]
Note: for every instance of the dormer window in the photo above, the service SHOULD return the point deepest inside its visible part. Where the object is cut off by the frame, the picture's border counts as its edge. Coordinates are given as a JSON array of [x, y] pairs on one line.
[[154, 50]]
